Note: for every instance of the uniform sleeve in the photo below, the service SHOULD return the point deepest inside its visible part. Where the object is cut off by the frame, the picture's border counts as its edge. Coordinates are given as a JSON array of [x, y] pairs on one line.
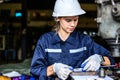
[[39, 62], [95, 48]]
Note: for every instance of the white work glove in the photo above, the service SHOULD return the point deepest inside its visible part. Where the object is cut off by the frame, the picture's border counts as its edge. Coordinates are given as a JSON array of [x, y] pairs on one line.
[[93, 63], [62, 70]]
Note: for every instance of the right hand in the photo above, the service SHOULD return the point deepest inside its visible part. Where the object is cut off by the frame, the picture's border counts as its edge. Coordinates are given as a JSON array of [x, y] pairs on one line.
[[93, 63], [62, 70]]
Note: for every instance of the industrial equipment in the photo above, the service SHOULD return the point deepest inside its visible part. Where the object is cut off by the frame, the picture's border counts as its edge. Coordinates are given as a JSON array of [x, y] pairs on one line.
[[108, 21]]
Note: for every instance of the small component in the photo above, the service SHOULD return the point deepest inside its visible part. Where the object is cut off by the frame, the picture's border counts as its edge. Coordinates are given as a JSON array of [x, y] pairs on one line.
[[102, 73], [78, 70]]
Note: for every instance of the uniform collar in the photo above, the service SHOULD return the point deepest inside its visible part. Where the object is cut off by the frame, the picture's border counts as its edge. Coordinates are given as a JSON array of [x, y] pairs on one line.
[[71, 38], [55, 38]]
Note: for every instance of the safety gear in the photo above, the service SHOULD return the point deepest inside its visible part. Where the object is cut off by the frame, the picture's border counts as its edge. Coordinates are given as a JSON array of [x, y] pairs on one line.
[[62, 70], [73, 52], [67, 8], [93, 63]]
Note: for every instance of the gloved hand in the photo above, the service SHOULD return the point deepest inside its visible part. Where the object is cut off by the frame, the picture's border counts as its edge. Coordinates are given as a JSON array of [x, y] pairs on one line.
[[93, 63], [62, 70]]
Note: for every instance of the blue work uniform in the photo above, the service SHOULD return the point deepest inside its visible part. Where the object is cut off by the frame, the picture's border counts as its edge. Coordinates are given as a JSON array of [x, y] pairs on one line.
[[51, 49]]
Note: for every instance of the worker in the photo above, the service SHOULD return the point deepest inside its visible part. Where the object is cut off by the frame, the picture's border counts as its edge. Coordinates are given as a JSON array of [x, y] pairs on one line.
[[64, 49]]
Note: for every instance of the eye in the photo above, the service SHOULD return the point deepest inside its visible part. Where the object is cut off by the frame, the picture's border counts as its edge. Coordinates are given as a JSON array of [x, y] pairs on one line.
[[68, 20], [75, 19]]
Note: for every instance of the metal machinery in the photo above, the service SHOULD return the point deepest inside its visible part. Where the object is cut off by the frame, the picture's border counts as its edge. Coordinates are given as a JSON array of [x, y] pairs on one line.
[[108, 22]]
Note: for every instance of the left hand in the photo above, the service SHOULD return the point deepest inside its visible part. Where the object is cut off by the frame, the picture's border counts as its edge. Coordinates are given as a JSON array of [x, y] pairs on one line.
[[93, 63], [50, 70]]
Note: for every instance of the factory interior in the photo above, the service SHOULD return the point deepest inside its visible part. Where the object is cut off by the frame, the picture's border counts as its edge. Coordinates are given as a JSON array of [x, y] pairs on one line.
[[22, 22]]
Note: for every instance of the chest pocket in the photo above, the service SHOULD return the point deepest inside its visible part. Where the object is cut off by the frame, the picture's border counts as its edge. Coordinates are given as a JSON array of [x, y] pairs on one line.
[[53, 55]]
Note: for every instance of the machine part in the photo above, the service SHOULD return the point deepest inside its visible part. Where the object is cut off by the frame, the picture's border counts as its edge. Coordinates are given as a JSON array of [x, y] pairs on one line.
[[102, 73], [89, 77], [116, 52], [115, 11], [84, 73], [98, 19], [117, 73], [113, 3], [99, 1], [108, 23], [108, 26], [108, 66]]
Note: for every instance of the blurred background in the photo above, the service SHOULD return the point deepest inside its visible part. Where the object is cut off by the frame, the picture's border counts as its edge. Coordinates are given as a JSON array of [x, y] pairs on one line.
[[22, 22]]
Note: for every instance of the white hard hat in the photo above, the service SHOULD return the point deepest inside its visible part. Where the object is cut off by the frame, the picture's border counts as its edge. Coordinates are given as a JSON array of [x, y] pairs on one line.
[[67, 8]]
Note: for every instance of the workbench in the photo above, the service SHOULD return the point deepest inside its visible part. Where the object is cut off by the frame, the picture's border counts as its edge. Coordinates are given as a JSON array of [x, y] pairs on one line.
[[88, 76]]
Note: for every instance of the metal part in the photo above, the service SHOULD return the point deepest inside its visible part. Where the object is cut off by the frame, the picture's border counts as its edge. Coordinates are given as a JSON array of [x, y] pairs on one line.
[[84, 73], [108, 66], [102, 73], [116, 51], [115, 11], [108, 22], [105, 18]]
